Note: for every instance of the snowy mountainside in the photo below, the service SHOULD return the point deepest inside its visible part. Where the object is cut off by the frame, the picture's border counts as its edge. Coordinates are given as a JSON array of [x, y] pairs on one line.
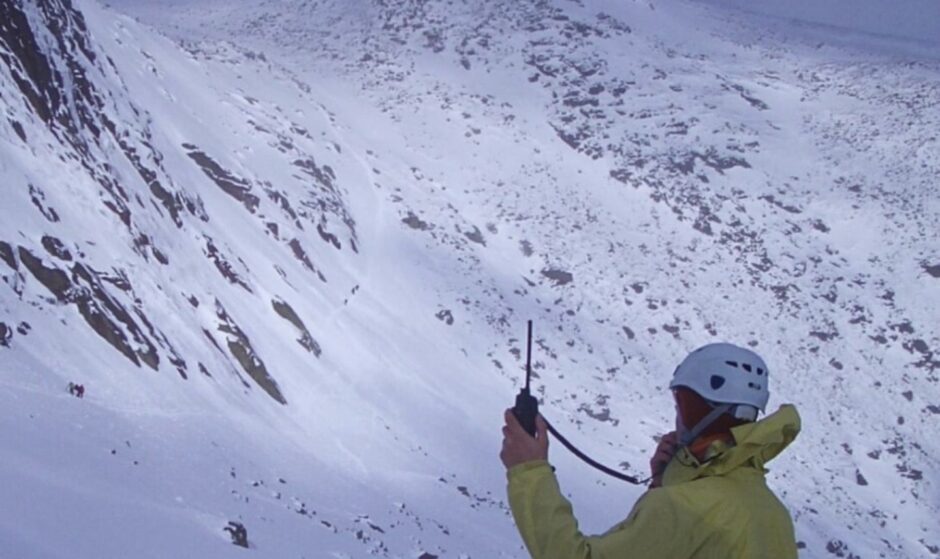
[[181, 251], [309, 257]]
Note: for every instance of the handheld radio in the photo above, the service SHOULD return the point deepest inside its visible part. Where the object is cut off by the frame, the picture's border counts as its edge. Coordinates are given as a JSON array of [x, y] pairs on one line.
[[527, 408]]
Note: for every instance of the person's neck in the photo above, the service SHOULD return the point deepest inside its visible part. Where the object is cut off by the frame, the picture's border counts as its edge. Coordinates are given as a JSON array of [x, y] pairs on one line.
[[699, 447]]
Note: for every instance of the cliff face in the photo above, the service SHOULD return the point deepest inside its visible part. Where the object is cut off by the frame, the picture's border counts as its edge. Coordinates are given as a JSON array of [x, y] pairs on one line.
[[46, 53], [74, 103], [84, 141]]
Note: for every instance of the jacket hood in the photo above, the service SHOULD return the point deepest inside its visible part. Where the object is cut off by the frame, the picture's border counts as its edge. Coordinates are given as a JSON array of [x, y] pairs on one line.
[[755, 444]]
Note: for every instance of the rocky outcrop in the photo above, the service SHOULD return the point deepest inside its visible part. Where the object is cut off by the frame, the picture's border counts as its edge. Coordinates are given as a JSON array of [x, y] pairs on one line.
[[241, 349], [236, 187], [305, 340], [82, 286]]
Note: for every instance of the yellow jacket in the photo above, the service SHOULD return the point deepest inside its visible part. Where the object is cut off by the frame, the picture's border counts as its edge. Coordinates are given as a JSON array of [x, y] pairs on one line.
[[719, 509]]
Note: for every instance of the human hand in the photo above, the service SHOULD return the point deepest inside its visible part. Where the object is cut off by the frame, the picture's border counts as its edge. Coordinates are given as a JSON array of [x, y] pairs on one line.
[[519, 446], [665, 450]]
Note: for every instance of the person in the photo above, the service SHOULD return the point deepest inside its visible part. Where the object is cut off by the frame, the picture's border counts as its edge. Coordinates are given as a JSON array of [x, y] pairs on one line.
[[77, 390], [708, 498]]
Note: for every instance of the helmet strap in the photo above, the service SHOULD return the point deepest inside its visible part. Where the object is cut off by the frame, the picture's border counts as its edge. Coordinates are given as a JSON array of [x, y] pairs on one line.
[[745, 412], [689, 436]]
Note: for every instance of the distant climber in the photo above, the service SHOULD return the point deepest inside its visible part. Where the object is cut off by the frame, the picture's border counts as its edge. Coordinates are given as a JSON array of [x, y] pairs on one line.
[[77, 390], [708, 497]]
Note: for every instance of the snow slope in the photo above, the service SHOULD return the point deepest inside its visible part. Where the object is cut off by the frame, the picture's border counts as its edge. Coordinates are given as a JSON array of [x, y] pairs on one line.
[[293, 271], [910, 21]]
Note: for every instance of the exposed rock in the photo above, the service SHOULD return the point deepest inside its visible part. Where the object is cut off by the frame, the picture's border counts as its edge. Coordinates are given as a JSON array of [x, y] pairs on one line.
[[282, 202], [602, 414], [305, 340], [910, 473], [445, 316], [18, 128], [558, 277], [747, 96], [824, 336], [35, 74], [840, 549], [101, 311], [118, 280], [686, 164], [783, 206], [171, 202], [475, 236], [415, 222], [301, 255], [325, 199], [54, 279], [8, 256], [323, 175], [860, 479], [526, 248], [238, 532], [236, 187], [328, 237], [241, 349], [224, 266], [55, 247]]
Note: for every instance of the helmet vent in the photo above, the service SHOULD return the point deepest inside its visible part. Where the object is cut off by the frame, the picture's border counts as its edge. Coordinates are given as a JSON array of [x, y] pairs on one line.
[[746, 367], [717, 382], [760, 371], [732, 363]]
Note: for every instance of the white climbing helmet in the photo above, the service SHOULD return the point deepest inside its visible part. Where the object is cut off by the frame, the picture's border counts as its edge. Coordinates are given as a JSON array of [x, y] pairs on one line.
[[726, 374]]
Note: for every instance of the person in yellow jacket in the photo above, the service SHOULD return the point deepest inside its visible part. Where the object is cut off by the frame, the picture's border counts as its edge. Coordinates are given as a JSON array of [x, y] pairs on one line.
[[708, 498]]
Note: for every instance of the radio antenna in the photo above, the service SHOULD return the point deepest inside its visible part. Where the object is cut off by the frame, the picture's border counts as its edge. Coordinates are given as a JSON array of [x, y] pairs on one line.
[[528, 360], [527, 408]]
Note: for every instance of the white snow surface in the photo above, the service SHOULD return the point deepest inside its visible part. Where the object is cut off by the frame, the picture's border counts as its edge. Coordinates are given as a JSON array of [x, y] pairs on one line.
[[413, 181], [909, 21]]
